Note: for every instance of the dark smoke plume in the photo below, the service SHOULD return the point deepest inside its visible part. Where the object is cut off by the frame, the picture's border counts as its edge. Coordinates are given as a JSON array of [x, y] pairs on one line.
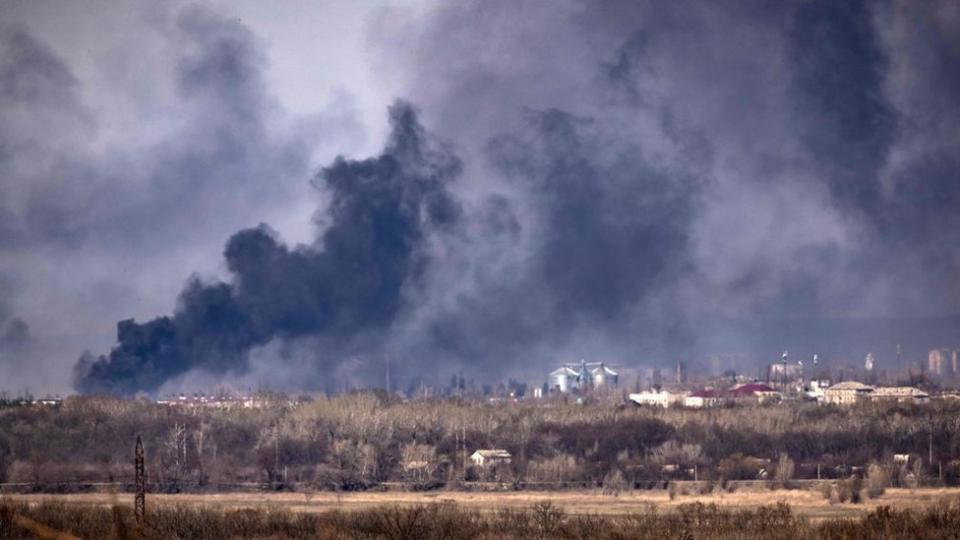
[[354, 278], [698, 177], [643, 182]]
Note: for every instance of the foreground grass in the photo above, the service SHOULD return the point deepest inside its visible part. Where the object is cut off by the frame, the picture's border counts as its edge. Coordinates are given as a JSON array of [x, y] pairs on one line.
[[450, 521]]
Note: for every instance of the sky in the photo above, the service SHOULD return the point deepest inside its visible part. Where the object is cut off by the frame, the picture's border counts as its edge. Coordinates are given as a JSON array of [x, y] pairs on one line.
[[227, 193]]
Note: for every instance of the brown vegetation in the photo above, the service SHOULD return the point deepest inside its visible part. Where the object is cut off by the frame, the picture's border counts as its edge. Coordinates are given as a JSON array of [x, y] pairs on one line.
[[361, 440], [448, 520]]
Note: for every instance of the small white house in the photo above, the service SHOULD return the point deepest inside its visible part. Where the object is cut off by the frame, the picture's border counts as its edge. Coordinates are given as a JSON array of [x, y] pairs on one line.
[[487, 457]]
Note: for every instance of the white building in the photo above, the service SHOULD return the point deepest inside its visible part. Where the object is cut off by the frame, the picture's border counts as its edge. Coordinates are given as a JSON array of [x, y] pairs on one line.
[[847, 392], [662, 398], [902, 394], [702, 399], [487, 457], [815, 392]]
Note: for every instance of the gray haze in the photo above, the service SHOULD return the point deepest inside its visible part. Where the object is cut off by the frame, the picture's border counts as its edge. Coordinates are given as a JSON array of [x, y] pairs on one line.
[[634, 182]]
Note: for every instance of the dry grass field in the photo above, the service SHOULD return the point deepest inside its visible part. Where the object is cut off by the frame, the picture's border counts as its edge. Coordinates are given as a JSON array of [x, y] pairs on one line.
[[807, 503]]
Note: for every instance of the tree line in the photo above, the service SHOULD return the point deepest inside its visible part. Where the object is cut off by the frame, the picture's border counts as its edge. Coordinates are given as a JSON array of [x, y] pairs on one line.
[[362, 439]]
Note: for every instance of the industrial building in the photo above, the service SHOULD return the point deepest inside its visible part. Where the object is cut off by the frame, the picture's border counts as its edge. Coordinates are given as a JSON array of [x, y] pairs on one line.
[[585, 376], [564, 379]]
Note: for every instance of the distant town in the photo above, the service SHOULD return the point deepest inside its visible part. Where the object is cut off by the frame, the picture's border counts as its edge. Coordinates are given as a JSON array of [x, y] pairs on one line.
[[784, 380]]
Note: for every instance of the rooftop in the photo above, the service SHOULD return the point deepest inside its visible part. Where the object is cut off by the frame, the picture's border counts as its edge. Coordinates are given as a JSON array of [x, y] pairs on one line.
[[750, 389], [850, 385], [495, 453]]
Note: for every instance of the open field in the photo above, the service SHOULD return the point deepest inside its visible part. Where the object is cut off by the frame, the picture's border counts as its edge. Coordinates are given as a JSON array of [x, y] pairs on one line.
[[807, 503]]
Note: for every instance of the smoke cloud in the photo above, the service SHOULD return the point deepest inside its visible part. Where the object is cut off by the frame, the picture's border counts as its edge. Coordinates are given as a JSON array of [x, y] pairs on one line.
[[351, 280], [692, 179], [632, 182], [127, 159]]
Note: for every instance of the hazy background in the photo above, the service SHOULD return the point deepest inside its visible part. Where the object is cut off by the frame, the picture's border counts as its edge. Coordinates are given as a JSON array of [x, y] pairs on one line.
[[632, 182]]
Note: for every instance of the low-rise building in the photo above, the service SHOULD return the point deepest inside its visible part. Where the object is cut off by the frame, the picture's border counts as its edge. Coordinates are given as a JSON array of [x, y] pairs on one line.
[[901, 394], [657, 398], [225, 401], [847, 393], [488, 457], [815, 390], [702, 399], [759, 392]]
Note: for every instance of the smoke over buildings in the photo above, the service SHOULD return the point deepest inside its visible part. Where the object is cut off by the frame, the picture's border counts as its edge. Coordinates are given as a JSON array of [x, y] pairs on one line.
[[627, 181]]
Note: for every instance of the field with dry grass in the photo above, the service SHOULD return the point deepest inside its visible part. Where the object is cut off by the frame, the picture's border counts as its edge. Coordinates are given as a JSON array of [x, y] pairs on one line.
[[772, 515], [807, 503]]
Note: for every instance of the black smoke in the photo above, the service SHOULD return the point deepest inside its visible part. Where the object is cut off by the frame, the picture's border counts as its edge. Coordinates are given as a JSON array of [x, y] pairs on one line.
[[690, 178], [354, 278], [611, 235], [15, 339], [127, 160], [641, 183]]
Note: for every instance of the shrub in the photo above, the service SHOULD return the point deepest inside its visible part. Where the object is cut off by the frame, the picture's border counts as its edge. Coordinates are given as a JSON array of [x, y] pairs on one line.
[[614, 483], [785, 470], [877, 480], [856, 487], [843, 491], [543, 520]]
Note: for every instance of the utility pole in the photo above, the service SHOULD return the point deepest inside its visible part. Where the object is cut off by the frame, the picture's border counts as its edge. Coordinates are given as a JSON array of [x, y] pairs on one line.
[[139, 500], [276, 452]]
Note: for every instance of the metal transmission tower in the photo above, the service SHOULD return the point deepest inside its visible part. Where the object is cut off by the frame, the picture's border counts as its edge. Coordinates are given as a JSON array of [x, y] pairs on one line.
[[139, 501]]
